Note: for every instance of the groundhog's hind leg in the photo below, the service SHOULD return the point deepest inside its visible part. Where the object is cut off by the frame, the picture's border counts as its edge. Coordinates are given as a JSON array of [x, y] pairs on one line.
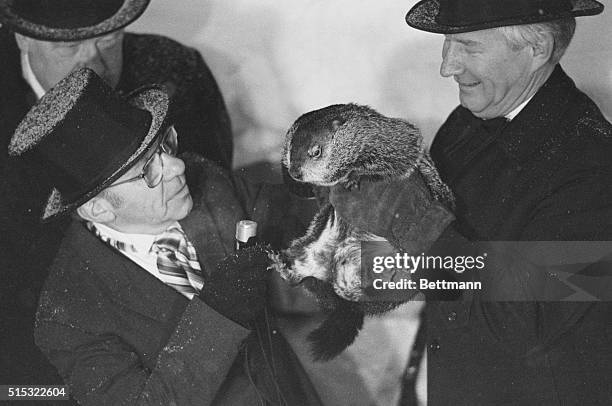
[[347, 272]]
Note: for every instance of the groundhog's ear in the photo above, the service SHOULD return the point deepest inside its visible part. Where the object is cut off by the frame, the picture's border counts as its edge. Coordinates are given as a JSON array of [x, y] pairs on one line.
[[337, 123]]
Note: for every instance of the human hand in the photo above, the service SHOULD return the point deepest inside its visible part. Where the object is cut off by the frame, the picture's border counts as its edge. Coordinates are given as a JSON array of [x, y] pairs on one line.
[[401, 210], [237, 287]]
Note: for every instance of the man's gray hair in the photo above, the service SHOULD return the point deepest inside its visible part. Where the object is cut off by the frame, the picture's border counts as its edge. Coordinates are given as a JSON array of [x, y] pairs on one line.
[[562, 31], [113, 198]]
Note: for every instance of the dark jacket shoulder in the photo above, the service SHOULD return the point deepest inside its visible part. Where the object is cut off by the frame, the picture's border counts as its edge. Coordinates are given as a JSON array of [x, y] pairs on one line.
[[152, 58], [197, 108]]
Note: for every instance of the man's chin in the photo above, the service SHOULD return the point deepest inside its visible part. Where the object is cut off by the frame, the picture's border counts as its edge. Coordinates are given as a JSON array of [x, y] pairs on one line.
[[469, 104], [186, 205], [179, 206], [189, 205]]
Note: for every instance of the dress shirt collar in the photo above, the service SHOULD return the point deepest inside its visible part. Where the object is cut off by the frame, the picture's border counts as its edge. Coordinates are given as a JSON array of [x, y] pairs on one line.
[[539, 123], [518, 109], [142, 243]]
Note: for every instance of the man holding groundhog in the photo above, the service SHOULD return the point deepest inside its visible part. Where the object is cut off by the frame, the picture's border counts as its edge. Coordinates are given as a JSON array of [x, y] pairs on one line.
[[527, 157], [146, 302]]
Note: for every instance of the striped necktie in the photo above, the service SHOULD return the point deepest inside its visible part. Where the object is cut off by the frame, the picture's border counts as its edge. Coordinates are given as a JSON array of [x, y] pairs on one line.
[[177, 262]]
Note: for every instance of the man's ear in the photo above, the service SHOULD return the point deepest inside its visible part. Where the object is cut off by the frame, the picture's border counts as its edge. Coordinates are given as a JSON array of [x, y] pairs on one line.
[[97, 210], [543, 50], [22, 42]]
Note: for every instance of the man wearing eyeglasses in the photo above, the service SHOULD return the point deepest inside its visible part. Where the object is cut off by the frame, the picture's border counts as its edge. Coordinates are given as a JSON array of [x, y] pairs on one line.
[[146, 302], [135, 202], [40, 43]]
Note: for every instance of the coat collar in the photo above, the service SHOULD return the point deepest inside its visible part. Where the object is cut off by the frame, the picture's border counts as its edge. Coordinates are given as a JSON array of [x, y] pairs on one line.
[[532, 131], [131, 286], [211, 224], [210, 241], [537, 125]]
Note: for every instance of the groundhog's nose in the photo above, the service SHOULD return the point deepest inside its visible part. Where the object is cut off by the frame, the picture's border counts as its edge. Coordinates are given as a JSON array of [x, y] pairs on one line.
[[295, 173]]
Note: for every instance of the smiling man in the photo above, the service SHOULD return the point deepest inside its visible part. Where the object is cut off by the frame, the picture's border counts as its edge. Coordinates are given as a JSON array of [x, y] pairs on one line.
[[494, 76], [527, 156], [146, 302]]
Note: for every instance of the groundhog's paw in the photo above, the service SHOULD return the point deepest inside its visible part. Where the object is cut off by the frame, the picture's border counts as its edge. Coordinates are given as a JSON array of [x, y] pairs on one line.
[[289, 275], [352, 181], [280, 263], [276, 262]]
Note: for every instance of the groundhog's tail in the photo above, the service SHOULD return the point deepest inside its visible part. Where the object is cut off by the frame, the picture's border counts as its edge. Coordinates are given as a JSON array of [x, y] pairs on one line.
[[337, 332]]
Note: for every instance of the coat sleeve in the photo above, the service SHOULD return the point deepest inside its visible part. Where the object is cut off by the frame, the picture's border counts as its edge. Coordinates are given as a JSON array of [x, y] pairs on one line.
[[577, 209], [281, 213], [522, 294], [102, 369], [201, 118]]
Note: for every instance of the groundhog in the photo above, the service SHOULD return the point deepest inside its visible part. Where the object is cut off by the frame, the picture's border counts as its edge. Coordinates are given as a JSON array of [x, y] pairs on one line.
[[343, 144]]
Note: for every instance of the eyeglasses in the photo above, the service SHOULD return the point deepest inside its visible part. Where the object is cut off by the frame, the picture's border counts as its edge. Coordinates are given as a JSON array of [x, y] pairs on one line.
[[153, 169]]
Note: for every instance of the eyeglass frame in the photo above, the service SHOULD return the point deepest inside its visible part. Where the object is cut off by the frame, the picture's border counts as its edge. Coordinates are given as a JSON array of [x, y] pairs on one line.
[[163, 147]]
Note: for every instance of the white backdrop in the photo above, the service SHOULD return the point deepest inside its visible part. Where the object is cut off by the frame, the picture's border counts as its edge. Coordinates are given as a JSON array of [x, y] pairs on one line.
[[275, 60]]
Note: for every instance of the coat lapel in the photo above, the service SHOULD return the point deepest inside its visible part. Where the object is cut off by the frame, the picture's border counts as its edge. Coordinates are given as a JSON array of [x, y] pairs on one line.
[[531, 131], [210, 241], [130, 285], [470, 143], [211, 225]]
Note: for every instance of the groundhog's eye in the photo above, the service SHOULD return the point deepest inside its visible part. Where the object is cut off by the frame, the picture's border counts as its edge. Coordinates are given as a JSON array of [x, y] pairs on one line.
[[314, 151]]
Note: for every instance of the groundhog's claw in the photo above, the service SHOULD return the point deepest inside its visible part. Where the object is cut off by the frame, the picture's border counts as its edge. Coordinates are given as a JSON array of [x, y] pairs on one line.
[[280, 263], [352, 181]]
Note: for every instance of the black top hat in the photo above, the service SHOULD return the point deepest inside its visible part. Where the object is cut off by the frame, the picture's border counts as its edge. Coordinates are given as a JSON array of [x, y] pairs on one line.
[[69, 20], [86, 136], [455, 16]]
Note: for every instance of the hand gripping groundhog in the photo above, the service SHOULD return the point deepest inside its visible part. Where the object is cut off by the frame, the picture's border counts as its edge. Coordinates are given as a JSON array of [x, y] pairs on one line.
[[342, 144]]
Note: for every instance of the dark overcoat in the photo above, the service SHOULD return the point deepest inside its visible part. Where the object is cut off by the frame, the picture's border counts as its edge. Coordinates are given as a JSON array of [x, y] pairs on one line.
[[546, 175], [203, 126], [120, 336]]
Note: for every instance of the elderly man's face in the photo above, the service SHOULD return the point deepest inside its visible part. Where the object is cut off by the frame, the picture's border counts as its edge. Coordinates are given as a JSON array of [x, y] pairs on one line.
[[144, 210], [493, 78], [52, 61]]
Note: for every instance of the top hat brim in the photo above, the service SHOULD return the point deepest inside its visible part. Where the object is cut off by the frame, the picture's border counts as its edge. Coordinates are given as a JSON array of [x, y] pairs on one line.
[[127, 13], [153, 99], [423, 16]]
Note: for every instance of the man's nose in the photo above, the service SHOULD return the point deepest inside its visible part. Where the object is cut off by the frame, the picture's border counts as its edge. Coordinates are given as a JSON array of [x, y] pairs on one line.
[[173, 166], [451, 62]]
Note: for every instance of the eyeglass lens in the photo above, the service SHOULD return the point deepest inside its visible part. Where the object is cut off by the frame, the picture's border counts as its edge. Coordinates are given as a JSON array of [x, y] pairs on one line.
[[153, 170]]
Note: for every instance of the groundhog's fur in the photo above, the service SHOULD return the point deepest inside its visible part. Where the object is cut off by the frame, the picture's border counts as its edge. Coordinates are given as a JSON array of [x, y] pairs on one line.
[[342, 144]]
